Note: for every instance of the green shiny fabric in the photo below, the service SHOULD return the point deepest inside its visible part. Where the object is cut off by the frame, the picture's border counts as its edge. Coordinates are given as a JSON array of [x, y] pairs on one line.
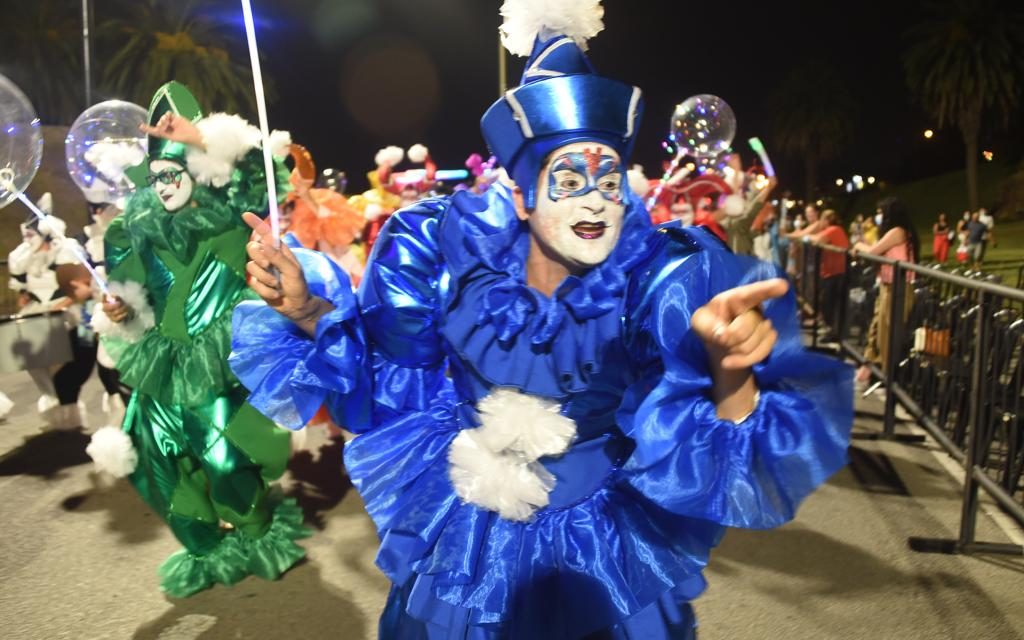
[[205, 455], [192, 264]]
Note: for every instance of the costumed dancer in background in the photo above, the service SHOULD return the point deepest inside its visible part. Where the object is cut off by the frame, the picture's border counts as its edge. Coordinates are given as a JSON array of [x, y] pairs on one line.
[[484, 173], [561, 408], [322, 219], [33, 268], [101, 213], [176, 262], [381, 200]]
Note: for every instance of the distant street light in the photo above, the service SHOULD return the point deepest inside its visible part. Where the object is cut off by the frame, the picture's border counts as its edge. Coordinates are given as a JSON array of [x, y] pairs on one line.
[[988, 155], [929, 134], [871, 179], [839, 182]]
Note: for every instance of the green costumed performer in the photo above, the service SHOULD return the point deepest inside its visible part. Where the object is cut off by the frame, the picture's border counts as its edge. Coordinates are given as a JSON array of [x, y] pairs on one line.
[[195, 450]]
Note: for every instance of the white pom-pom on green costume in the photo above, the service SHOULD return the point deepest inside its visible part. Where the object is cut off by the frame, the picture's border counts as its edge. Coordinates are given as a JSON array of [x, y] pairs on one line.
[[111, 451], [131, 330]]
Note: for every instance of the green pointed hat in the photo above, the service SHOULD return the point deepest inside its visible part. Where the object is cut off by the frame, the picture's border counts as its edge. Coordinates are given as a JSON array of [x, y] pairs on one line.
[[176, 98]]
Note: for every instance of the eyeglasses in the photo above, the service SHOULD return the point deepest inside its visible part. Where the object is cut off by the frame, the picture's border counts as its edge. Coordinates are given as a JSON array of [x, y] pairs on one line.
[[167, 176]]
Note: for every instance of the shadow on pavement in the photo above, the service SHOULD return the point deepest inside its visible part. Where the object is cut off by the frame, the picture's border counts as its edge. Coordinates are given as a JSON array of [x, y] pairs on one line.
[[319, 485], [258, 609], [128, 517], [46, 455]]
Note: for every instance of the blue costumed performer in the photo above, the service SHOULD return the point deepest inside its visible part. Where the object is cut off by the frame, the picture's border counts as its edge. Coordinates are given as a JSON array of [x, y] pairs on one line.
[[561, 407]]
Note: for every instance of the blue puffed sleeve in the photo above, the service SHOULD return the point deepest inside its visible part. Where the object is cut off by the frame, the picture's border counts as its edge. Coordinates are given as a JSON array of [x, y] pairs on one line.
[[290, 375], [400, 301], [752, 474]]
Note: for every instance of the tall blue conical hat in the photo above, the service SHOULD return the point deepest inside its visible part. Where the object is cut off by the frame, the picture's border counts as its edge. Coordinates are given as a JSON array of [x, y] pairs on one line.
[[561, 99]]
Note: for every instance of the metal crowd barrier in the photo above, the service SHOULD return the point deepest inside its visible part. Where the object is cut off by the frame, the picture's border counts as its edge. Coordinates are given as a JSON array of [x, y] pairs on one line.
[[955, 363]]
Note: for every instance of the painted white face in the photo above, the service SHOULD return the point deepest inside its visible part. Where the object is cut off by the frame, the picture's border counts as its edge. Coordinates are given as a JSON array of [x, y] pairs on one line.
[[172, 184], [580, 204]]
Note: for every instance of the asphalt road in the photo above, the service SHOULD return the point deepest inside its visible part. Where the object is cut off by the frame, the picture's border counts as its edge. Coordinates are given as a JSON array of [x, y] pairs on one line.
[[78, 556]]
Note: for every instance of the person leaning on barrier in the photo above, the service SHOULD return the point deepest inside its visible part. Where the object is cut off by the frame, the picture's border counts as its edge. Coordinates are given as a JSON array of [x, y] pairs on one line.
[[898, 242], [832, 267]]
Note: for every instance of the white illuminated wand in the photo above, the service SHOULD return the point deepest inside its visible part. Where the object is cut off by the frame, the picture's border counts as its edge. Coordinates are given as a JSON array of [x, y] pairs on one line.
[[261, 108], [76, 248]]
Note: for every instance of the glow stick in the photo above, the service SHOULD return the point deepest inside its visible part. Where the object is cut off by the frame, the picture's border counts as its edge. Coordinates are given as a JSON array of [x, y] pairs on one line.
[[758, 147], [261, 108], [76, 248]]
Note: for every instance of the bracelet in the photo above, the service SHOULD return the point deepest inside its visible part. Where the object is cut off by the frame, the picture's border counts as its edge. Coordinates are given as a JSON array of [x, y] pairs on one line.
[[757, 401]]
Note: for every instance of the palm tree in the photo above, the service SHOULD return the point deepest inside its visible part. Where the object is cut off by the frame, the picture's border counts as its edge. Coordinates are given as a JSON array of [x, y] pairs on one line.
[[159, 41], [42, 52], [813, 117], [966, 67]]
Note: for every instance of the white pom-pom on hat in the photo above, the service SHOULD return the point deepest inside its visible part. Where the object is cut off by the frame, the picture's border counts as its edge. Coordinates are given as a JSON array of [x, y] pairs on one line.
[[526, 20], [418, 154], [111, 451], [389, 156]]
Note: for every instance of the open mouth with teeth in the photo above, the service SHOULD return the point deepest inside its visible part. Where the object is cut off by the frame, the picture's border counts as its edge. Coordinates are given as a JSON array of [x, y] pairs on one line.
[[589, 230]]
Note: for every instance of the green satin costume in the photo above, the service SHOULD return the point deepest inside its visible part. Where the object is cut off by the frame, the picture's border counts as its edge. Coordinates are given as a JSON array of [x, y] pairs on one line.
[[205, 455]]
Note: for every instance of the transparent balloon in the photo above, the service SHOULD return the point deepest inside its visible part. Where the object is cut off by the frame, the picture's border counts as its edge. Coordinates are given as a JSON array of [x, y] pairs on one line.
[[21, 142], [703, 126], [102, 144]]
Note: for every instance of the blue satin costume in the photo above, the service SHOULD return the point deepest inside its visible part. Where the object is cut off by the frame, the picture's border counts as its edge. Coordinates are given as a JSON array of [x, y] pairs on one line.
[[444, 316], [654, 477]]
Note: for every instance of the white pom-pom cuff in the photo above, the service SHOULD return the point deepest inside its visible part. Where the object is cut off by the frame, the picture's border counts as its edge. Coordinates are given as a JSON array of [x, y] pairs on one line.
[[131, 330], [111, 451], [495, 466]]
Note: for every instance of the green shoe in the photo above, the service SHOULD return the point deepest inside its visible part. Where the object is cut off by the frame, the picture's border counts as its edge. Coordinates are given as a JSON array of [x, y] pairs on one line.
[[184, 573], [270, 555]]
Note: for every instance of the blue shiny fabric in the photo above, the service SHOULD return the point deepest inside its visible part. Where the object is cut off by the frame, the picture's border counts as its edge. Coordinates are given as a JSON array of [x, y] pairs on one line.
[[644, 493]]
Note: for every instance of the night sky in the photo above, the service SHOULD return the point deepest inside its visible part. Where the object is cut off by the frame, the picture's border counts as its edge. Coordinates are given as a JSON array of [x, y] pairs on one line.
[[355, 75]]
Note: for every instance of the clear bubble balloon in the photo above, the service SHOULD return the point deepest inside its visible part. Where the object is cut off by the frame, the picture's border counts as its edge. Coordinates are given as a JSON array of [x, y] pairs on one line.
[[21, 142], [102, 144], [703, 126]]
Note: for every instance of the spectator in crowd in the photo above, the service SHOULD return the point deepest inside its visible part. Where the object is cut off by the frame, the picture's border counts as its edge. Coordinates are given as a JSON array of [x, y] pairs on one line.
[[738, 227], [990, 238], [832, 268], [943, 236], [898, 242], [977, 235], [857, 228], [869, 231]]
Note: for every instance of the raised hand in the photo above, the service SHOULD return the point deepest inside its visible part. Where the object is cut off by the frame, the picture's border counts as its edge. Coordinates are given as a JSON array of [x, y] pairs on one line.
[[116, 309], [276, 276], [171, 126], [734, 332]]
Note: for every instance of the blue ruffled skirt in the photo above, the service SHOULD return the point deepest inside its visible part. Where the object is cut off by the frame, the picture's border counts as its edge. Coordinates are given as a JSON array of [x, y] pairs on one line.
[[600, 559]]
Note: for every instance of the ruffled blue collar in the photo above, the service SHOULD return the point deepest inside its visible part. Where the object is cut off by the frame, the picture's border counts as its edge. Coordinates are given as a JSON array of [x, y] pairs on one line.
[[511, 334]]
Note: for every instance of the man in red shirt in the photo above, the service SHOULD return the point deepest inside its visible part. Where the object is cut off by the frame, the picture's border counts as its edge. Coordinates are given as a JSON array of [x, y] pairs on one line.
[[832, 267]]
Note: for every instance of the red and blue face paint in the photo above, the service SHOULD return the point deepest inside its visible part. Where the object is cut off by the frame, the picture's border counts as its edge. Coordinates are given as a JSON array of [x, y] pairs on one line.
[[578, 173]]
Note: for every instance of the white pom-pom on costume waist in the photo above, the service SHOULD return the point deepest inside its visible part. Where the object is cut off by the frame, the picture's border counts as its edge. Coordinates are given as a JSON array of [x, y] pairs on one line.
[[495, 466]]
